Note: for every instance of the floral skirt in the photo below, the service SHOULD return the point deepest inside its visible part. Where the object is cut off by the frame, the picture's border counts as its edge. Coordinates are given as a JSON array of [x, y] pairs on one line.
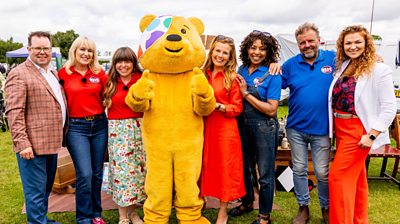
[[127, 161]]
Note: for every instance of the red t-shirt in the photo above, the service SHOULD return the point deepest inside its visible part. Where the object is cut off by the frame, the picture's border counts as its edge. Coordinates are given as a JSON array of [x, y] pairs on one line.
[[119, 109], [84, 93]]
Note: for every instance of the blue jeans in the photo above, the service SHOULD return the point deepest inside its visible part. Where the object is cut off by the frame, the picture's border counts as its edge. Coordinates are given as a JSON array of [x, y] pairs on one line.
[[259, 147], [37, 177], [320, 151], [87, 144]]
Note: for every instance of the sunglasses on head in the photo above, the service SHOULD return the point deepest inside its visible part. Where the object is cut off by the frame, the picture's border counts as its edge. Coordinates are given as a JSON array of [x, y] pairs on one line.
[[222, 37], [257, 32]]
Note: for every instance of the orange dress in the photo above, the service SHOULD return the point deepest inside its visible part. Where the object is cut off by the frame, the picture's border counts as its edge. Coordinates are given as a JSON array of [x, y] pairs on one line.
[[222, 171]]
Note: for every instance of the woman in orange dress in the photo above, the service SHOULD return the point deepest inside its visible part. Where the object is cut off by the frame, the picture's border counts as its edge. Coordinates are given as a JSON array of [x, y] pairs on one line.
[[222, 171]]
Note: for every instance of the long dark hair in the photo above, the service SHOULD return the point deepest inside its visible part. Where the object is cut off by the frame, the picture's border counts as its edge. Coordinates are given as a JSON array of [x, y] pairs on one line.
[[121, 54], [271, 44]]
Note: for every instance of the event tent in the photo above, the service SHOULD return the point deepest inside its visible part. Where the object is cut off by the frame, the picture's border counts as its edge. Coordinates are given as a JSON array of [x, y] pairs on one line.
[[23, 53]]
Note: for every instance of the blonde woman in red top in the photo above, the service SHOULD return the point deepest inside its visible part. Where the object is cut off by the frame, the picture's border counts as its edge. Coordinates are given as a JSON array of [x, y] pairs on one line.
[[222, 171], [84, 83], [125, 146]]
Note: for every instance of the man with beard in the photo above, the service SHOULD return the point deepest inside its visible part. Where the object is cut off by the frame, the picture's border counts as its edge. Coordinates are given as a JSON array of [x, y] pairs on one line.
[[308, 76]]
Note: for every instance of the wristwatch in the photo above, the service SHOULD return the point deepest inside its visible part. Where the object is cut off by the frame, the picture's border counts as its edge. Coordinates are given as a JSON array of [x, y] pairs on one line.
[[372, 137]]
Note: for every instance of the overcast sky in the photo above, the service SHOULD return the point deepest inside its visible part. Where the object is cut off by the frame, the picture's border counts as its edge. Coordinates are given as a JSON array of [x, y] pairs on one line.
[[115, 23]]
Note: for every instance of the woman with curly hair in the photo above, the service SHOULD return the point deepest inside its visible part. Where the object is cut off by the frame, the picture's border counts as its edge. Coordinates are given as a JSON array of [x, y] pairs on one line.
[[222, 146], [259, 52], [125, 146], [362, 106]]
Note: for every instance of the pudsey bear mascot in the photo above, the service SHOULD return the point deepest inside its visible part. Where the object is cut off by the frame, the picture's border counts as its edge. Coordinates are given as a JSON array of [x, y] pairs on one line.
[[174, 95]]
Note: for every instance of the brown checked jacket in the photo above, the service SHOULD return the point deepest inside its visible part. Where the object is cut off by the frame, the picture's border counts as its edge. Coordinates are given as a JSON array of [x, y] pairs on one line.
[[33, 112]]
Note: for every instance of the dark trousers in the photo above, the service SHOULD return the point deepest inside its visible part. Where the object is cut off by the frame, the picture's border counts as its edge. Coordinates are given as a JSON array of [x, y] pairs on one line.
[[87, 144], [37, 177]]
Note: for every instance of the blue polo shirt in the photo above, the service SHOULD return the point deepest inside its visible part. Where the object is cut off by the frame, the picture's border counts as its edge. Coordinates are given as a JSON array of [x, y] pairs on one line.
[[309, 87], [270, 89]]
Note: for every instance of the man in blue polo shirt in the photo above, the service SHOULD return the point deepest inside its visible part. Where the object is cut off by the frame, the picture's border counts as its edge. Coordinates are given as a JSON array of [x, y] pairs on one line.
[[308, 76]]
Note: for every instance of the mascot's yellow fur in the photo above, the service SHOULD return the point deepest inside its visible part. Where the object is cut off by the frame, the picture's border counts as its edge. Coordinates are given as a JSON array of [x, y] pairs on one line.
[[174, 95]]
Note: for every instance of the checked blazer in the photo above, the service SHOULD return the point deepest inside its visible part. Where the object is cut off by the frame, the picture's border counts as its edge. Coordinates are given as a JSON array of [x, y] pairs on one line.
[[33, 112]]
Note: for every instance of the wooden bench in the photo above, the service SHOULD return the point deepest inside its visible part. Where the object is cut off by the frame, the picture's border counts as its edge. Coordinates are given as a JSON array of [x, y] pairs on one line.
[[386, 152]]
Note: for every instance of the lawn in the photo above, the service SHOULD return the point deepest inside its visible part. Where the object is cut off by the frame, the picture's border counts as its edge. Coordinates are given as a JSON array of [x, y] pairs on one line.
[[384, 197]]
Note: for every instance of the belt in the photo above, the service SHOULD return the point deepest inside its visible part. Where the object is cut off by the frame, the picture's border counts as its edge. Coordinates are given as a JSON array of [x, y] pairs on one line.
[[344, 116], [89, 118]]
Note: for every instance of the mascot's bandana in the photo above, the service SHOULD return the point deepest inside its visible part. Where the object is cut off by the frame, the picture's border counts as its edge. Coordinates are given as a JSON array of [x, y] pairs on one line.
[[153, 32]]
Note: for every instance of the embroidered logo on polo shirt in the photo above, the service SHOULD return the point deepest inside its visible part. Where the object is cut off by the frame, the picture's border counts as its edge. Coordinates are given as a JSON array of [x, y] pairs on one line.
[[94, 79], [327, 69]]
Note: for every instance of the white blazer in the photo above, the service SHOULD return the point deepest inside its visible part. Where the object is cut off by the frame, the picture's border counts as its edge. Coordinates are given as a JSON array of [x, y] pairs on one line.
[[374, 102]]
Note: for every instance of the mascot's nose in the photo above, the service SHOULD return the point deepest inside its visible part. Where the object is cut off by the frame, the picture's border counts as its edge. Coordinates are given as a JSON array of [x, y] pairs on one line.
[[174, 37]]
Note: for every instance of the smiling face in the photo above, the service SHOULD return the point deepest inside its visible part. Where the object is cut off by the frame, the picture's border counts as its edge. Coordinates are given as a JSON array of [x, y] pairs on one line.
[[40, 51], [177, 48], [257, 52], [354, 45], [124, 68], [308, 43], [220, 55], [84, 55]]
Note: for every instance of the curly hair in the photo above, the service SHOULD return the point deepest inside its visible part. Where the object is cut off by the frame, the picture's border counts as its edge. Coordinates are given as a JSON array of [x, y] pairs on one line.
[[230, 66], [365, 62], [271, 44], [121, 54]]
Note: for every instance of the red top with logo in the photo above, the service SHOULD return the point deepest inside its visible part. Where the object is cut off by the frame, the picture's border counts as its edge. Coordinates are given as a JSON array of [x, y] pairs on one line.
[[84, 93], [119, 109]]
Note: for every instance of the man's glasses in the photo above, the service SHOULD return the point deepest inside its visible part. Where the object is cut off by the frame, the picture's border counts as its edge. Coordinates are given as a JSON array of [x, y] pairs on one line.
[[257, 32], [39, 49], [222, 37]]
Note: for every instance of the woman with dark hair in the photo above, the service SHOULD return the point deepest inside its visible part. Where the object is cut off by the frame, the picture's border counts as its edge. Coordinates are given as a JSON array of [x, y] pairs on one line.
[[125, 147], [84, 83], [258, 124], [362, 106], [222, 147]]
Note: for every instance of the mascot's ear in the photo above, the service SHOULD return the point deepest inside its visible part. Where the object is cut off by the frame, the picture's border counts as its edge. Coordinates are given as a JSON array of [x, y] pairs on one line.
[[145, 21], [198, 24]]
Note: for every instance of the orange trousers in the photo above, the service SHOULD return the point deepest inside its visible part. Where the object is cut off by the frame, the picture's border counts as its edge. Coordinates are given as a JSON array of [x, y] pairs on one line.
[[348, 186]]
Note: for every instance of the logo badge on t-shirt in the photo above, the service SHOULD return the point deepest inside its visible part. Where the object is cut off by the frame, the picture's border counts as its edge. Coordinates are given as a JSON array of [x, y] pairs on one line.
[[327, 69], [94, 79]]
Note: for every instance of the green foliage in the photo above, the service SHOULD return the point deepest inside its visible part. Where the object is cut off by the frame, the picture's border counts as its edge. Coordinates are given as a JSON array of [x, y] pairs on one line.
[[64, 41], [8, 45], [376, 37]]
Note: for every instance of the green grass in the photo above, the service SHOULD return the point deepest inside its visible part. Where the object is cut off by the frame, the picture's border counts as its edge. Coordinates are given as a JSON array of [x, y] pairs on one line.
[[383, 198]]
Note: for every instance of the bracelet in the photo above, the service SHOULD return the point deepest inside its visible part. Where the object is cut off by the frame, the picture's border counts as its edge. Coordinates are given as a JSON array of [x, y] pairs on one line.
[[246, 93]]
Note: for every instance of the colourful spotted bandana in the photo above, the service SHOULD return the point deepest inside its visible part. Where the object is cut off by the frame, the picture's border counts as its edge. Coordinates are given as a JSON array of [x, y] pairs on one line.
[[153, 32]]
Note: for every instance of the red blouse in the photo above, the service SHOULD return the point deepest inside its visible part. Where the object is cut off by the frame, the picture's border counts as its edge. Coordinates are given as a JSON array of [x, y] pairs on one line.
[[343, 95], [119, 109], [84, 93]]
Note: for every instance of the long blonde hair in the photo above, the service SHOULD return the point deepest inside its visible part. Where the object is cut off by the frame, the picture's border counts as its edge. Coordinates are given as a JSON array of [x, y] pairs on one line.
[[365, 62], [121, 54], [230, 66], [78, 42]]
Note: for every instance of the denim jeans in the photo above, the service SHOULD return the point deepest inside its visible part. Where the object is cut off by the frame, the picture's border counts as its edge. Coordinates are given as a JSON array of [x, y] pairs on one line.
[[259, 147], [37, 177], [87, 144], [320, 151]]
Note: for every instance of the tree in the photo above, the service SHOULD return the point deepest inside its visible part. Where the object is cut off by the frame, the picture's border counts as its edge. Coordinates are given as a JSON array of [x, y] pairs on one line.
[[8, 45], [64, 41], [376, 37]]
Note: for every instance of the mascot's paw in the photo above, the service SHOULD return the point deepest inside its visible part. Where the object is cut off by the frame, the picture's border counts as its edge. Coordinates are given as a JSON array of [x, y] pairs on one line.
[[201, 220], [143, 89], [199, 83]]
